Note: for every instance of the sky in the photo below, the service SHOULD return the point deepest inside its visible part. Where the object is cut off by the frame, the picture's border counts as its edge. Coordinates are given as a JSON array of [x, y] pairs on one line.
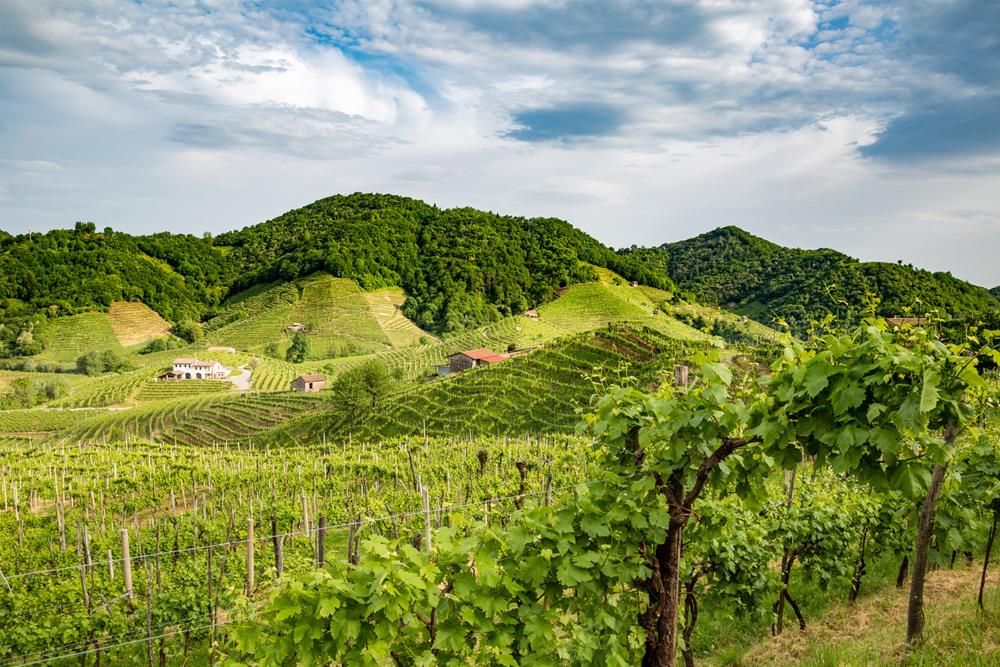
[[868, 127]]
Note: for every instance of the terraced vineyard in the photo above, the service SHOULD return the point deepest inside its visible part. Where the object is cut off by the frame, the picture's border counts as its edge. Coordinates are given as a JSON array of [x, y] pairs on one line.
[[254, 318], [338, 317], [536, 392], [70, 337], [417, 361], [42, 420], [202, 420], [114, 389], [134, 323], [167, 389], [385, 306], [589, 306]]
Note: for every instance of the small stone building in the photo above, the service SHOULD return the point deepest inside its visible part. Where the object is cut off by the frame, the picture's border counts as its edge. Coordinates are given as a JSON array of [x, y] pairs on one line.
[[311, 382], [467, 359]]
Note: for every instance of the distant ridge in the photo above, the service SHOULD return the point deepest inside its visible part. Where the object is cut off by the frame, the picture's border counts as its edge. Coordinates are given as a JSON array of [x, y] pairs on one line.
[[732, 268]]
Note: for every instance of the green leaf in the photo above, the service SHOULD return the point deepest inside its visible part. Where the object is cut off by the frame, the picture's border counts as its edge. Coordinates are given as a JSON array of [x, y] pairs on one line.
[[929, 394]]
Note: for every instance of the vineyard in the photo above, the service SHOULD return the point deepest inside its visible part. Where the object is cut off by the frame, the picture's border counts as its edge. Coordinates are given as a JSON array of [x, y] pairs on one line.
[[70, 337], [543, 391], [806, 480], [340, 320], [134, 323], [121, 549], [203, 420], [385, 306]]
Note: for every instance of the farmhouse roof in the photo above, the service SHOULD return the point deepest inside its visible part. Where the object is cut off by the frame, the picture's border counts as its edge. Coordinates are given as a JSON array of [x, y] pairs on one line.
[[311, 377], [493, 359], [478, 354], [195, 362]]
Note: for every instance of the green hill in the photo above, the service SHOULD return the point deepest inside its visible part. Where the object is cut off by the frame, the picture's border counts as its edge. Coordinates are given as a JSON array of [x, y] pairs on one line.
[[447, 270], [459, 267], [751, 276], [337, 316]]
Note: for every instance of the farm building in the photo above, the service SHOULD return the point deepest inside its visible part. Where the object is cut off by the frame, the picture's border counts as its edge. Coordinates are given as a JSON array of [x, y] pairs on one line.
[[311, 382], [194, 369], [296, 327], [463, 361], [531, 314]]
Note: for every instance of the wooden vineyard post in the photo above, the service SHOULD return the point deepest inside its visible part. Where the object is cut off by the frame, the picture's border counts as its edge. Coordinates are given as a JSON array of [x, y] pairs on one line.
[[680, 376], [250, 556], [126, 565], [149, 614], [321, 543], [277, 541], [426, 497]]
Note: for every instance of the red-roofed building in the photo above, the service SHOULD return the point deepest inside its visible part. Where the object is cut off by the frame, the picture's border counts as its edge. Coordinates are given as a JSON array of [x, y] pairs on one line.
[[463, 361]]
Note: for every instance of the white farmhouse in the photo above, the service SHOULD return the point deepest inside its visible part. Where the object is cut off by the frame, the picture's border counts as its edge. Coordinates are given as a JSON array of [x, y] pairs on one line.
[[194, 369]]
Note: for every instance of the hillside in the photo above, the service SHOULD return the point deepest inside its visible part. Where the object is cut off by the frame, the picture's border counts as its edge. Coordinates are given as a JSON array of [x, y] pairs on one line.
[[754, 277], [445, 270], [458, 267]]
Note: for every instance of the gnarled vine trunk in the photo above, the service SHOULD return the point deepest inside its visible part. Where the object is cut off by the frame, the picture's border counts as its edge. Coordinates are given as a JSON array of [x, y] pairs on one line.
[[925, 529]]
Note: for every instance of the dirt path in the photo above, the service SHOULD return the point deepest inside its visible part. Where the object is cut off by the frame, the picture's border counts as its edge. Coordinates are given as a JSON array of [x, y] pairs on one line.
[[241, 381]]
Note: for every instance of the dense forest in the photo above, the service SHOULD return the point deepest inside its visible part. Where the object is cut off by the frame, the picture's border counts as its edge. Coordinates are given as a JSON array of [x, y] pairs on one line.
[[734, 269]]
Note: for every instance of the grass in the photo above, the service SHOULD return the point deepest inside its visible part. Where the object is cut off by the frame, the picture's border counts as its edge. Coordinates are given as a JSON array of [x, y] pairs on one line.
[[338, 317], [134, 323], [871, 631], [589, 306], [73, 336]]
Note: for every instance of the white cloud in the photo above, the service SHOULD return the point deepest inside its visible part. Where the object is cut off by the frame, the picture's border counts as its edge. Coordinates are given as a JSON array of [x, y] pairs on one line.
[[194, 115]]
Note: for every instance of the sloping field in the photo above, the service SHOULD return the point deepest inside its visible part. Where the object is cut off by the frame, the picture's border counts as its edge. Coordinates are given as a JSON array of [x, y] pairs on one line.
[[73, 336], [160, 390], [338, 318], [417, 361], [254, 318], [386, 307], [42, 420], [201, 420], [114, 389], [538, 392], [590, 306], [133, 323]]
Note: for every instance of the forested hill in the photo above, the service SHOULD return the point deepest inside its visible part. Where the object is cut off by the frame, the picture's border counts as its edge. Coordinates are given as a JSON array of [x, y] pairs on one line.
[[995, 291], [737, 270], [459, 267]]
